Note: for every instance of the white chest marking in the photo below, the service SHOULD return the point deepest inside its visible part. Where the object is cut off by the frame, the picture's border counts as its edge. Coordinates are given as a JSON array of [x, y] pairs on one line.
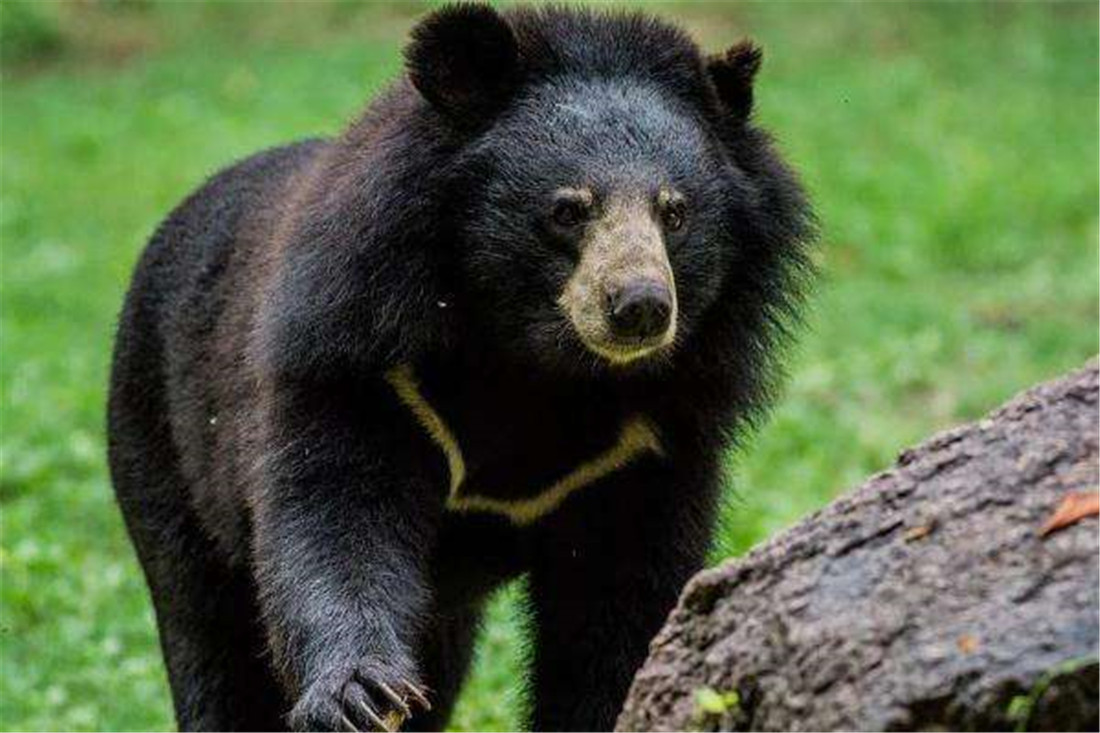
[[636, 437]]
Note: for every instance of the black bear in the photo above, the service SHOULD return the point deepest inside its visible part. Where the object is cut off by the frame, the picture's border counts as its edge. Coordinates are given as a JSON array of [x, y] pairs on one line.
[[506, 324]]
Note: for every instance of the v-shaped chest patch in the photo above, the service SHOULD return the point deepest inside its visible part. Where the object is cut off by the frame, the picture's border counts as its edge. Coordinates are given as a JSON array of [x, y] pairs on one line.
[[636, 438]]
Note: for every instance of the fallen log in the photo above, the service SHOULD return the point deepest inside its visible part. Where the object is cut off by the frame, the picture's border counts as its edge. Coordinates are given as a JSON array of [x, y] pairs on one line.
[[957, 590]]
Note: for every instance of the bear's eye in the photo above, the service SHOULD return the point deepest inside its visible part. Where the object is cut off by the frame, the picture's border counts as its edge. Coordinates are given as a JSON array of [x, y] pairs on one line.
[[569, 213], [671, 208], [673, 218]]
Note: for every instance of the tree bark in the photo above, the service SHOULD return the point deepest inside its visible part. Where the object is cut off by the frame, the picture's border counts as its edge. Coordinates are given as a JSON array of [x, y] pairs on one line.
[[936, 595]]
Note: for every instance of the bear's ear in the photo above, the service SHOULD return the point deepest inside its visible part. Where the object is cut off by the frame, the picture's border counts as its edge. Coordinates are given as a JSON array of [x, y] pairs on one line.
[[732, 73], [463, 59]]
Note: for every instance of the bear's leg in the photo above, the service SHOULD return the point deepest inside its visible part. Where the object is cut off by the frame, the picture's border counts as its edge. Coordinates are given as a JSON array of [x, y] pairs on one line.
[[207, 617], [213, 647], [445, 658], [206, 614], [605, 579], [346, 517]]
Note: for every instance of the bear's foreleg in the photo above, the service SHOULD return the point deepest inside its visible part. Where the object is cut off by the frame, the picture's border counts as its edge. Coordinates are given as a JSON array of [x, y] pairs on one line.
[[605, 579], [345, 519]]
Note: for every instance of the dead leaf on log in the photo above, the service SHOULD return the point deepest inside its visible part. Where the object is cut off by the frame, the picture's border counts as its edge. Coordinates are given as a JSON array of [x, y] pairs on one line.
[[1075, 506], [919, 532], [967, 644]]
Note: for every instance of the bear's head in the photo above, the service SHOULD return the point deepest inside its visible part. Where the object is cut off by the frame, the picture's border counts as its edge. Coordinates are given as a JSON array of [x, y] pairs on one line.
[[609, 195]]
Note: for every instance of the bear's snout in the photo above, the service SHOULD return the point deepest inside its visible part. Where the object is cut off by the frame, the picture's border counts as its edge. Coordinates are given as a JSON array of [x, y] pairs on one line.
[[640, 310], [621, 298]]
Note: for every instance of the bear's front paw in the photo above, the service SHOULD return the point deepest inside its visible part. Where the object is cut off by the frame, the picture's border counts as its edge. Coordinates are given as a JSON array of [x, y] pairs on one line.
[[365, 696]]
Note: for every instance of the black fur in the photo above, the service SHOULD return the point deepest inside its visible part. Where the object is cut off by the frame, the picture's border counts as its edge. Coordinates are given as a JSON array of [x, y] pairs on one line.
[[289, 511]]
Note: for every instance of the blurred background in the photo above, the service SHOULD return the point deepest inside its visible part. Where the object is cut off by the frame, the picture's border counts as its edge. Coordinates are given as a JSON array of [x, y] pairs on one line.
[[951, 150]]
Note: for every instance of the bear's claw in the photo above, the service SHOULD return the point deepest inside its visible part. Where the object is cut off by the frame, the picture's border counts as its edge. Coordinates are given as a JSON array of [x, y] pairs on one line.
[[395, 698], [418, 694], [366, 697], [376, 721]]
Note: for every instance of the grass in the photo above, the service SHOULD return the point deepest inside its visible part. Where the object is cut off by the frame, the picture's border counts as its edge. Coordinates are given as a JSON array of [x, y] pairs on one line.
[[951, 150]]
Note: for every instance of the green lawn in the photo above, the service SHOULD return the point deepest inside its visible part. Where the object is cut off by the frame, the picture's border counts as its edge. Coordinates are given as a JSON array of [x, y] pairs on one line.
[[951, 151]]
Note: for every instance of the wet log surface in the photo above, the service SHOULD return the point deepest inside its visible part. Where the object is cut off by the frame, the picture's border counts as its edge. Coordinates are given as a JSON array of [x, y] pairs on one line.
[[936, 595]]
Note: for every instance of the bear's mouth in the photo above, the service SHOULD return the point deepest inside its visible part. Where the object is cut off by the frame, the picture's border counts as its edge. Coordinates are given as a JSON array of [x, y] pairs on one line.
[[624, 352]]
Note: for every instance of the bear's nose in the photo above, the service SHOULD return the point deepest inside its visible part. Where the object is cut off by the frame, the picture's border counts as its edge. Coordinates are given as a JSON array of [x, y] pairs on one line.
[[640, 310]]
